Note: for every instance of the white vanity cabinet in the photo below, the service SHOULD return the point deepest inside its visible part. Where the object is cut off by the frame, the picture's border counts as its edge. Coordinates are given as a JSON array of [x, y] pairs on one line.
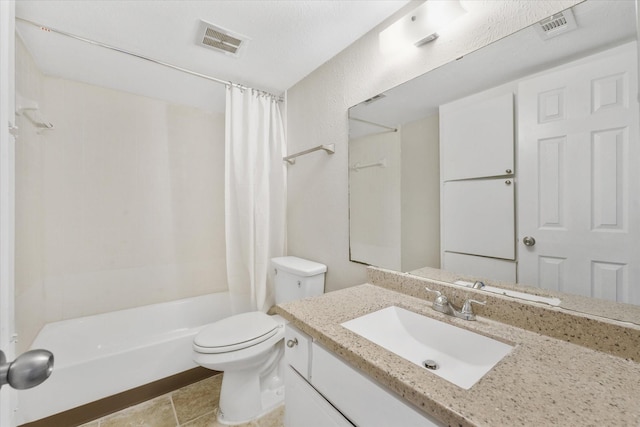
[[304, 406], [332, 393]]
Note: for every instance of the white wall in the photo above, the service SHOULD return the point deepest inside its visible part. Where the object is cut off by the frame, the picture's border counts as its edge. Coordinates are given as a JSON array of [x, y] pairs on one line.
[[421, 194], [121, 205], [318, 226], [29, 216], [375, 194]]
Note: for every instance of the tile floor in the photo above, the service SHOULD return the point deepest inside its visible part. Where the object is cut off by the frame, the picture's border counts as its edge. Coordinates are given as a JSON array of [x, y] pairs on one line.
[[192, 406]]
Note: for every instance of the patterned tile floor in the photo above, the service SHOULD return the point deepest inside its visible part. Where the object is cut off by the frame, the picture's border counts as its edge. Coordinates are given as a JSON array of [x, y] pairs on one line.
[[192, 406]]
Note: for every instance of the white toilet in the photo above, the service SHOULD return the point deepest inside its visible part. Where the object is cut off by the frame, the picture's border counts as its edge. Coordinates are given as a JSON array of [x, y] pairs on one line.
[[248, 347]]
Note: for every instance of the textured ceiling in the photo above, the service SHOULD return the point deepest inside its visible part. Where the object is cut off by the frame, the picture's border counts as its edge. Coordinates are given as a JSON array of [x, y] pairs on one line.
[[288, 40], [601, 25]]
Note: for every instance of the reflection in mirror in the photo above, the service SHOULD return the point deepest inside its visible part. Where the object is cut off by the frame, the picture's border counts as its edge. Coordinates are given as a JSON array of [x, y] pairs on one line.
[[514, 164]]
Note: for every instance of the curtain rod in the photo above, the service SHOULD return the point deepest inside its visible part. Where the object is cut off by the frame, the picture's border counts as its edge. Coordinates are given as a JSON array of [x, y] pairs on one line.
[[146, 58]]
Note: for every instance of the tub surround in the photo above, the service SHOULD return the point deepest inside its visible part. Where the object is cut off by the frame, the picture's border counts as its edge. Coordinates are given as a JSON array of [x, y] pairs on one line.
[[543, 381]]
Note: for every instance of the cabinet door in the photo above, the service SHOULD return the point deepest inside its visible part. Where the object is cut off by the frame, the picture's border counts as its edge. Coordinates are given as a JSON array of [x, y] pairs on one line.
[[306, 407], [363, 401], [297, 351], [478, 217], [476, 138]]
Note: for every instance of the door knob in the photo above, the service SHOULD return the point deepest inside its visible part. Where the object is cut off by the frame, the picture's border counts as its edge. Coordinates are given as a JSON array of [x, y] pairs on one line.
[[529, 241], [28, 370]]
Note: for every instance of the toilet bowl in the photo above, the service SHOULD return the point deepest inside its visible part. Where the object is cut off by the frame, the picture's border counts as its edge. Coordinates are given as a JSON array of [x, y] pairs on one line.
[[249, 347]]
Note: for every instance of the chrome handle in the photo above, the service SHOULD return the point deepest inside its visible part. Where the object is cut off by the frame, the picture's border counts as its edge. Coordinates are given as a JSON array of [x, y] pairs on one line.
[[292, 343], [508, 182], [529, 241], [440, 298], [466, 308], [438, 293], [28, 370], [441, 302], [478, 285], [508, 171]]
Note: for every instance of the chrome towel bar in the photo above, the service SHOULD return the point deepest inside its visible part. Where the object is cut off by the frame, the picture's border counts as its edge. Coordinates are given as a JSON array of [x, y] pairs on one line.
[[329, 148]]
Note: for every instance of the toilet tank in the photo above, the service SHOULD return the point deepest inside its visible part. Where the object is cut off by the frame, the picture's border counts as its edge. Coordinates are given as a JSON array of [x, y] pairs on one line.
[[297, 278]]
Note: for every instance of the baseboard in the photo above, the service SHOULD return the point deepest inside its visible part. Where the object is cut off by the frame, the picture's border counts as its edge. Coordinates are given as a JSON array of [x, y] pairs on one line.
[[100, 408]]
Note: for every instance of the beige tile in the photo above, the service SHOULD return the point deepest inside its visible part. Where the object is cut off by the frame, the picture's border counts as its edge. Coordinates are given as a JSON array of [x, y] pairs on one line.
[[197, 399], [91, 424], [153, 413], [207, 420], [274, 418]]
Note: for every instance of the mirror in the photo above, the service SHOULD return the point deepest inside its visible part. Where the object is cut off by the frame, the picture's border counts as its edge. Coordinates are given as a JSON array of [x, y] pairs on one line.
[[514, 165]]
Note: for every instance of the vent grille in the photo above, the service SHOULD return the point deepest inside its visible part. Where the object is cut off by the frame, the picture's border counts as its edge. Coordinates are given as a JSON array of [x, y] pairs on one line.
[[220, 40], [553, 22], [373, 99], [556, 25]]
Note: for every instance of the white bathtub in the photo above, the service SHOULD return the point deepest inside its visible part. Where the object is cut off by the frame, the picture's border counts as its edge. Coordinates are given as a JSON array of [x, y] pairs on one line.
[[98, 356]]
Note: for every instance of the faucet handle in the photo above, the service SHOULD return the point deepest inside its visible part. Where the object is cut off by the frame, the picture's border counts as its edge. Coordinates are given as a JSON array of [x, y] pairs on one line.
[[440, 298], [466, 307], [438, 293], [441, 303]]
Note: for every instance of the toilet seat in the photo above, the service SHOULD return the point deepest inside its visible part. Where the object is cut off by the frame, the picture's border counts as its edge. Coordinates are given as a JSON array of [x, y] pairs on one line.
[[235, 333]]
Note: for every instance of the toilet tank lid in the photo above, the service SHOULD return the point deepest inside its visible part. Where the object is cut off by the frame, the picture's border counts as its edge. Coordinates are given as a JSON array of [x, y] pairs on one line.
[[295, 265]]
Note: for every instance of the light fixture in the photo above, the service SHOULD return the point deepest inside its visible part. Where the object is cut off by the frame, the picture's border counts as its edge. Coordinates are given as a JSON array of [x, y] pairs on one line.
[[421, 25]]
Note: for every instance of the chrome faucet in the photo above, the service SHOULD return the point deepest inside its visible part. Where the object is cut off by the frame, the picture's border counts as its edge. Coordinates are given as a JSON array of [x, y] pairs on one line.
[[478, 285], [442, 304]]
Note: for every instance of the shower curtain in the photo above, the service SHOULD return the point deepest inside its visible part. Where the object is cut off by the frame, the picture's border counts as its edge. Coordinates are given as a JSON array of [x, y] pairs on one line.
[[255, 196]]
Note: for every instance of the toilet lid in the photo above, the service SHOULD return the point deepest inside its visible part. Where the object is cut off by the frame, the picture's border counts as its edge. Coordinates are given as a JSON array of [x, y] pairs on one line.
[[236, 332]]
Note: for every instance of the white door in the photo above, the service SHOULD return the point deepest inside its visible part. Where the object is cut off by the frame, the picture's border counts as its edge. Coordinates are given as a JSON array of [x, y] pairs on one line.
[[7, 118], [578, 180]]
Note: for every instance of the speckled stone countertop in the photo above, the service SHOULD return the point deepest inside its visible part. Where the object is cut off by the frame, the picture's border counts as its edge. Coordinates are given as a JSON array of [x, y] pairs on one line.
[[542, 382], [618, 338], [576, 303]]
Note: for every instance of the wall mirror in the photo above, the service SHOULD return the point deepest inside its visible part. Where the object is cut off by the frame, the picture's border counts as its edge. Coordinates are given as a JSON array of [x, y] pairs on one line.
[[514, 164]]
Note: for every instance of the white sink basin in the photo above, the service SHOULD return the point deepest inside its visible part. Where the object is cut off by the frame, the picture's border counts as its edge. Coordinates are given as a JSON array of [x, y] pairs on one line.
[[462, 357]]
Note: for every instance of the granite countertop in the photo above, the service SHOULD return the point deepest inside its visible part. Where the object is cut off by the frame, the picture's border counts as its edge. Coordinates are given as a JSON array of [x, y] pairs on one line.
[[542, 382]]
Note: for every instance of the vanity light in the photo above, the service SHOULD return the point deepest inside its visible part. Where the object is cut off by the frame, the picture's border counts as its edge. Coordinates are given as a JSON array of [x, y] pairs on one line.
[[421, 25]]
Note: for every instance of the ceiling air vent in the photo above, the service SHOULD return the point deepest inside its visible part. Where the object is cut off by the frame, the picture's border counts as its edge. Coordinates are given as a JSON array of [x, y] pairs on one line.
[[373, 99], [557, 24], [221, 40]]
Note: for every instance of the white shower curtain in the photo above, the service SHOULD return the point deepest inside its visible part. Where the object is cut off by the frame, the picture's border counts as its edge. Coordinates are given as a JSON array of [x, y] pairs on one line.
[[255, 196]]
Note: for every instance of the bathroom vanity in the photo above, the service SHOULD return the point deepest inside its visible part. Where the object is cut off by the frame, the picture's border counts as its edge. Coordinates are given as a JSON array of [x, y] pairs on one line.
[[323, 390], [541, 381]]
